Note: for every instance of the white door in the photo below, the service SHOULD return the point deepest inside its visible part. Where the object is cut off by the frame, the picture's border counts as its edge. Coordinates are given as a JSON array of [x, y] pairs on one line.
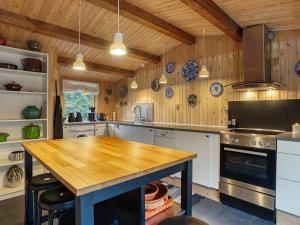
[[123, 131], [142, 134]]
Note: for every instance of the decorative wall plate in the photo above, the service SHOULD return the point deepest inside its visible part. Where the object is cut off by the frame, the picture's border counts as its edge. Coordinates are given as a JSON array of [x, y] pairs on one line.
[[170, 67], [216, 89], [192, 100], [298, 68], [190, 70], [123, 90], [169, 92], [155, 85]]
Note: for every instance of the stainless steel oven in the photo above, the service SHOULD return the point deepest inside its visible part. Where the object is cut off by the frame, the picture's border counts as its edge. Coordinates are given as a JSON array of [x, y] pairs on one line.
[[248, 171]]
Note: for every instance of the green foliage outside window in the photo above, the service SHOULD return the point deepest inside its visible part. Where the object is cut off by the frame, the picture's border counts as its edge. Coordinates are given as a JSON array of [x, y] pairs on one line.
[[78, 102]]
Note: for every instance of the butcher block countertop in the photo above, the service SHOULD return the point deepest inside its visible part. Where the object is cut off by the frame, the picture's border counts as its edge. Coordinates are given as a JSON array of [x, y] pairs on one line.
[[88, 164]]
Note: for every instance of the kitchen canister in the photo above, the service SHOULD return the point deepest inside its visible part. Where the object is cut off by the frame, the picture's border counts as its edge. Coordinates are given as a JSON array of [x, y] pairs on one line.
[[296, 128]]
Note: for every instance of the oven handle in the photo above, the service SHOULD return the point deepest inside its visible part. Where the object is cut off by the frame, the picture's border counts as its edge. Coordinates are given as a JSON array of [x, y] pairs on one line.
[[247, 152]]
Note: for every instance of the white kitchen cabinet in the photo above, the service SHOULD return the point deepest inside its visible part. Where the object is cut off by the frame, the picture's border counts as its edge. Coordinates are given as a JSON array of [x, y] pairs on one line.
[[164, 138], [287, 178], [207, 147], [142, 134], [123, 131], [100, 129], [110, 130]]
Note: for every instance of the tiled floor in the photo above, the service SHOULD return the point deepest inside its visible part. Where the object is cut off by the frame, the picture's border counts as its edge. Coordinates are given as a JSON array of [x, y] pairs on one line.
[[212, 212], [215, 213]]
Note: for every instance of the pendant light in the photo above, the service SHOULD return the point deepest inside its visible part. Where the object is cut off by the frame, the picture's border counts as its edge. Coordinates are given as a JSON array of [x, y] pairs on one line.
[[79, 64], [203, 72], [163, 78], [118, 47], [134, 84]]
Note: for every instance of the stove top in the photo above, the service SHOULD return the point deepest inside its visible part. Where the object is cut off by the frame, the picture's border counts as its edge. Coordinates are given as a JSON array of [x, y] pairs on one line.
[[251, 138], [255, 131]]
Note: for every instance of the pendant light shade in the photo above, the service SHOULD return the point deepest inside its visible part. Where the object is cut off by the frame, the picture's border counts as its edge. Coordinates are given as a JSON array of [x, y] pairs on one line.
[[203, 72], [134, 84], [118, 48], [79, 64], [163, 78]]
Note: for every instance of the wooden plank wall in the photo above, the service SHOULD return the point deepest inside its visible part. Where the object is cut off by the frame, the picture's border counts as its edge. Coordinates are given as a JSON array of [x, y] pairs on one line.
[[224, 60]]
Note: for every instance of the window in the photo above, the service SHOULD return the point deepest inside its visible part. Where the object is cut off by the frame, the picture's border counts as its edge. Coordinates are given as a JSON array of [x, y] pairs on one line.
[[79, 101]]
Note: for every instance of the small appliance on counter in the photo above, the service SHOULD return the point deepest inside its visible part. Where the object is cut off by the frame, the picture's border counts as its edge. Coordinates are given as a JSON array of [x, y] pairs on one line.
[[78, 117], [71, 118], [296, 128], [92, 114], [101, 117]]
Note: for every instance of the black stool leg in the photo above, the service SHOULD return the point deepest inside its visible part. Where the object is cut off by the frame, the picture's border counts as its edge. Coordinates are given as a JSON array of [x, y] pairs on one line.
[[35, 207], [51, 217], [39, 216]]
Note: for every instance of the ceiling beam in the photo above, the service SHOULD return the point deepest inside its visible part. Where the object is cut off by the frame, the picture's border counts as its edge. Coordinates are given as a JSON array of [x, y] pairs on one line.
[[65, 34], [209, 10], [147, 19], [68, 62]]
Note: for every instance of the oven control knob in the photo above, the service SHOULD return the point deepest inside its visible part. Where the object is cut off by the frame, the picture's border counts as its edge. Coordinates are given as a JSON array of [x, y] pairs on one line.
[[231, 140], [237, 140], [226, 140], [268, 144], [253, 142], [260, 143]]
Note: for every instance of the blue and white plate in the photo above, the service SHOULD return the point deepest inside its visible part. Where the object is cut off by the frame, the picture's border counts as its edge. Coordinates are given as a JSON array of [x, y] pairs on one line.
[[192, 100], [155, 86], [170, 67], [190, 70], [169, 92], [298, 68]]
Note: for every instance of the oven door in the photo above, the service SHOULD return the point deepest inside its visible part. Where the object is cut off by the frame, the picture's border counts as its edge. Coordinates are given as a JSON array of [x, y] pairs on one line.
[[249, 165]]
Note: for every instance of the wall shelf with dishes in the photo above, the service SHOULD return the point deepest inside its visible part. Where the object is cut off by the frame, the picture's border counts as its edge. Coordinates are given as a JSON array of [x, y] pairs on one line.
[[24, 113]]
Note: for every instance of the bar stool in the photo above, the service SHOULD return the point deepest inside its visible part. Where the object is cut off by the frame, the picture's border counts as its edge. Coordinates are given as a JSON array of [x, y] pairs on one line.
[[39, 183], [182, 220], [103, 215], [55, 201]]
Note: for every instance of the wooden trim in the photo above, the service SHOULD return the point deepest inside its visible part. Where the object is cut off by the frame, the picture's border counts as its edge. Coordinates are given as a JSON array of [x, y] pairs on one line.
[[147, 19], [65, 34], [68, 62], [214, 14]]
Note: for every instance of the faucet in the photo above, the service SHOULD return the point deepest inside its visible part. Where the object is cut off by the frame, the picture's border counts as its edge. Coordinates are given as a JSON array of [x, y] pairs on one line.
[[138, 116]]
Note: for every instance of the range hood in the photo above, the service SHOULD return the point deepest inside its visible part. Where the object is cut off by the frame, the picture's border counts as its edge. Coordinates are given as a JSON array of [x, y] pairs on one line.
[[257, 60]]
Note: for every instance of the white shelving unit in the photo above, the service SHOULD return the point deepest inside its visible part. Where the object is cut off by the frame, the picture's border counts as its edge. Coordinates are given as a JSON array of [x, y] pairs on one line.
[[33, 93]]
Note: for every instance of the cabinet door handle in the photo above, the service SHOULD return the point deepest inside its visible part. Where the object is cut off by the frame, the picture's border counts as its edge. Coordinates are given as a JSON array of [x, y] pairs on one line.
[[163, 134], [150, 130], [207, 136]]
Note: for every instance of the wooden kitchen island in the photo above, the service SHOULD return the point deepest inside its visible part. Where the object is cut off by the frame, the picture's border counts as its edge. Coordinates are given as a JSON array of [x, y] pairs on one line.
[[99, 168]]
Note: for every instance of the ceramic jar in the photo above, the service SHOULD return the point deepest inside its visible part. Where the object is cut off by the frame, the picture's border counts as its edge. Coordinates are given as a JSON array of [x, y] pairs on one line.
[[14, 176], [31, 112]]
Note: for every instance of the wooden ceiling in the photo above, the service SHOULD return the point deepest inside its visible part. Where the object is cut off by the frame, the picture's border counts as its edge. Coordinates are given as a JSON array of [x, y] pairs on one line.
[[101, 23]]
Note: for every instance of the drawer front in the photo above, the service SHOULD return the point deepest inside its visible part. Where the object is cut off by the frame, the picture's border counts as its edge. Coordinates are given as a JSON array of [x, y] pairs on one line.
[[288, 166], [164, 133], [288, 147], [288, 196]]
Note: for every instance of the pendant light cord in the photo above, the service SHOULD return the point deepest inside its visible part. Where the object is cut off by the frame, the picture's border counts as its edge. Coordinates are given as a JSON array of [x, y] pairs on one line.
[[79, 25], [118, 15], [203, 44], [163, 58]]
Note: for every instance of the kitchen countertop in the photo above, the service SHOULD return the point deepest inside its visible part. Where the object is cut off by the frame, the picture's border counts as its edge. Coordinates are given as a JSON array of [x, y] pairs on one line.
[[171, 126], [289, 136]]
